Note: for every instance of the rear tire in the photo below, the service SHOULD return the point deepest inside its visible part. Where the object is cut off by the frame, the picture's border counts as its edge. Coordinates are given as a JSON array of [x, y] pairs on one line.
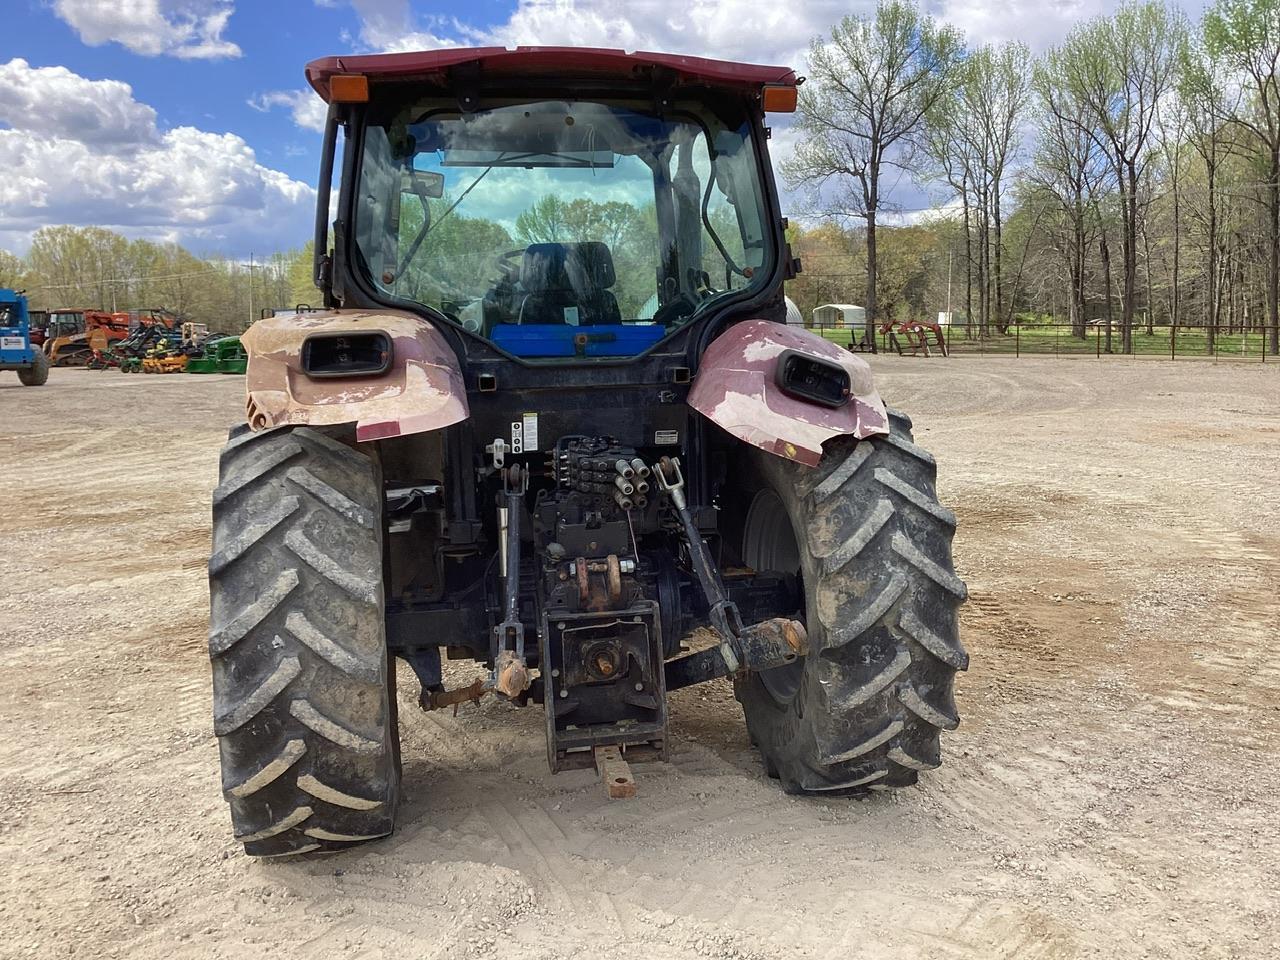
[[37, 374], [873, 548], [302, 683]]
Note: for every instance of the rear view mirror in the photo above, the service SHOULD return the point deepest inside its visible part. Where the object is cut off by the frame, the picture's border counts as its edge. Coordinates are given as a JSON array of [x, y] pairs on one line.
[[424, 183]]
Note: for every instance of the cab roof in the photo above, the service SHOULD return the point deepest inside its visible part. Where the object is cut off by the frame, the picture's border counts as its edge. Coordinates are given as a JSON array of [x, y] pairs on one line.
[[579, 62]]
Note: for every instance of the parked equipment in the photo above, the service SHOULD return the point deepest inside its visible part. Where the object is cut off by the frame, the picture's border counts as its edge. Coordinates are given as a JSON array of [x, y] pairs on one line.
[[230, 356], [73, 336], [171, 363], [220, 355], [917, 334], [488, 451], [38, 321], [148, 339], [16, 349]]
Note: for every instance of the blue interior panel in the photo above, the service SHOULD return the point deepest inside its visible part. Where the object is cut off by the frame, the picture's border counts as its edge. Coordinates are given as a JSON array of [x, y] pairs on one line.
[[566, 340]]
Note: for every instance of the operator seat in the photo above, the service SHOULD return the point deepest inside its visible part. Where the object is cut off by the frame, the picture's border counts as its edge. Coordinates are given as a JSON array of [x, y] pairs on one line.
[[568, 283]]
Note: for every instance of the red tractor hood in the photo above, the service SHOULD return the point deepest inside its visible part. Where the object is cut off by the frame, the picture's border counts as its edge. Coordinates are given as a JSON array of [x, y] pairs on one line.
[[575, 62]]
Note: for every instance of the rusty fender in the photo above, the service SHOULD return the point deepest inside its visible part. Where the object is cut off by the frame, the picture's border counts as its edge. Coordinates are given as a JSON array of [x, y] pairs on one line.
[[736, 388], [422, 389]]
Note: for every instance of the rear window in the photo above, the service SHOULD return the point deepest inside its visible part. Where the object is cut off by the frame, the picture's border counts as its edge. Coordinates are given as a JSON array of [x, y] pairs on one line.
[[560, 229]]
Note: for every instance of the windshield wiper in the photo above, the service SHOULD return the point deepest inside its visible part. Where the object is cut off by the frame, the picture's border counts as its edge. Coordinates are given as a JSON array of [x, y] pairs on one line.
[[428, 225]]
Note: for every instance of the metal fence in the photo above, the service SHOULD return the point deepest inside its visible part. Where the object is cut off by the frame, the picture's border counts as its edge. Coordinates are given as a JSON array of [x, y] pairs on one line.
[[1185, 341]]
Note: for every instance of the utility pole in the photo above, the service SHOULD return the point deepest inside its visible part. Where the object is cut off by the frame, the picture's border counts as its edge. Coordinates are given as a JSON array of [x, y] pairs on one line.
[[250, 323], [949, 254]]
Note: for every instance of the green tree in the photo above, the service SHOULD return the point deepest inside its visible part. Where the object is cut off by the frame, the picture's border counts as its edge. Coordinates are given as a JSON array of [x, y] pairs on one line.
[[544, 222], [456, 262], [301, 271], [13, 271]]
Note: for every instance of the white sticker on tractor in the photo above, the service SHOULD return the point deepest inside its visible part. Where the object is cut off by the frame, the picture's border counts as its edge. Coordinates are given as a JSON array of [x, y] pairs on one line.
[[531, 431], [666, 438], [517, 436], [12, 343]]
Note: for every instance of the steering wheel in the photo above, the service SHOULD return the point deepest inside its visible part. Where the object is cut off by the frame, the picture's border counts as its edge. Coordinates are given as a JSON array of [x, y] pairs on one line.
[[508, 266], [675, 311]]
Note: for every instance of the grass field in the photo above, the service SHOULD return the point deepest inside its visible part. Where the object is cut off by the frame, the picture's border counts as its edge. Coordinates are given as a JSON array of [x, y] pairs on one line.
[[1057, 339]]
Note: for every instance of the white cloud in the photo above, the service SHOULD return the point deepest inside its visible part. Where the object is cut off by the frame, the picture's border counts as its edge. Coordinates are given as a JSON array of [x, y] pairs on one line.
[[54, 102], [389, 26], [726, 29], [722, 29], [189, 29], [1039, 24], [96, 156], [309, 111]]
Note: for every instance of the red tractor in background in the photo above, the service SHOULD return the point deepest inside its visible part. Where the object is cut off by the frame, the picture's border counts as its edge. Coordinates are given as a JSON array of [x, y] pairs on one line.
[[39, 321]]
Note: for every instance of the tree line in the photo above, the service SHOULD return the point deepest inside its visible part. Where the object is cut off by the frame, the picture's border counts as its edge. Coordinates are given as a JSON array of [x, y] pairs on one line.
[[1128, 176], [95, 268]]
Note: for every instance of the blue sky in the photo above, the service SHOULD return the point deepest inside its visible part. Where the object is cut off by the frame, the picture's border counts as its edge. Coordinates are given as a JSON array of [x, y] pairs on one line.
[[188, 120], [275, 38]]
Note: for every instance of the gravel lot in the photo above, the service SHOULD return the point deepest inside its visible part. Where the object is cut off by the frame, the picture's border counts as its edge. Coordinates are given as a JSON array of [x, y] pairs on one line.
[[1111, 792]]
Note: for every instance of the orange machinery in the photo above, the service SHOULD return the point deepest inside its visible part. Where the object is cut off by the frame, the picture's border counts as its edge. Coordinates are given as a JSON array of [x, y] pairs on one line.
[[72, 336]]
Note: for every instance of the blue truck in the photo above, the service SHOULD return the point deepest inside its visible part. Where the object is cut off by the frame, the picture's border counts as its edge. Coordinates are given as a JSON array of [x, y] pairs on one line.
[[16, 351]]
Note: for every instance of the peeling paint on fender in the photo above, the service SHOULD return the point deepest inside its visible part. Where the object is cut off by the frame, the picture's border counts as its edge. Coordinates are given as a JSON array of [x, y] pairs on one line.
[[736, 389], [423, 389]]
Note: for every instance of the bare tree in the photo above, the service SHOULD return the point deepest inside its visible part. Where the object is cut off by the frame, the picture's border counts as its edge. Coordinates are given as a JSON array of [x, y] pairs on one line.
[[1173, 120], [1067, 165], [870, 87], [947, 142], [999, 78], [1121, 67], [1207, 106], [1243, 38]]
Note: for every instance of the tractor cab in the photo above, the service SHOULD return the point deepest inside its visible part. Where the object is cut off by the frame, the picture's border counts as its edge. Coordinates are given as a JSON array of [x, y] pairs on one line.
[[17, 352], [14, 319], [64, 323]]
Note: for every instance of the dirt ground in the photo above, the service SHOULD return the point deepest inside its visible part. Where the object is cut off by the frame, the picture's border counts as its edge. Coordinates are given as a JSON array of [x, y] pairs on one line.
[[1112, 790]]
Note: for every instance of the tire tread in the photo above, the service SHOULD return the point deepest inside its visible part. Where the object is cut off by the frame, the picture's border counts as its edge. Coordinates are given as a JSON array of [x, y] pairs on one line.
[[302, 706], [883, 600]]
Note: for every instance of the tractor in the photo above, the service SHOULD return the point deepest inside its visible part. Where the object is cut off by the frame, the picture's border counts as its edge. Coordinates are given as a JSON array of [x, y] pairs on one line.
[[73, 337], [552, 420], [17, 352]]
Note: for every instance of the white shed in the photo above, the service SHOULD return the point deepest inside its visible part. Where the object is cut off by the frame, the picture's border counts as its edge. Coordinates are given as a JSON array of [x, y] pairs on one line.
[[839, 315], [794, 317]]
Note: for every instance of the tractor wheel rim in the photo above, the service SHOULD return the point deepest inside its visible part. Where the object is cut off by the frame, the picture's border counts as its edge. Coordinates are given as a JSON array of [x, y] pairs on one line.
[[769, 544]]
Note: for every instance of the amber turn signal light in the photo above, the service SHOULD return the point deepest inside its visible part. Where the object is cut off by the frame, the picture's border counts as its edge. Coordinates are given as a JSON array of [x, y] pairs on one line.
[[779, 99], [349, 88]]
